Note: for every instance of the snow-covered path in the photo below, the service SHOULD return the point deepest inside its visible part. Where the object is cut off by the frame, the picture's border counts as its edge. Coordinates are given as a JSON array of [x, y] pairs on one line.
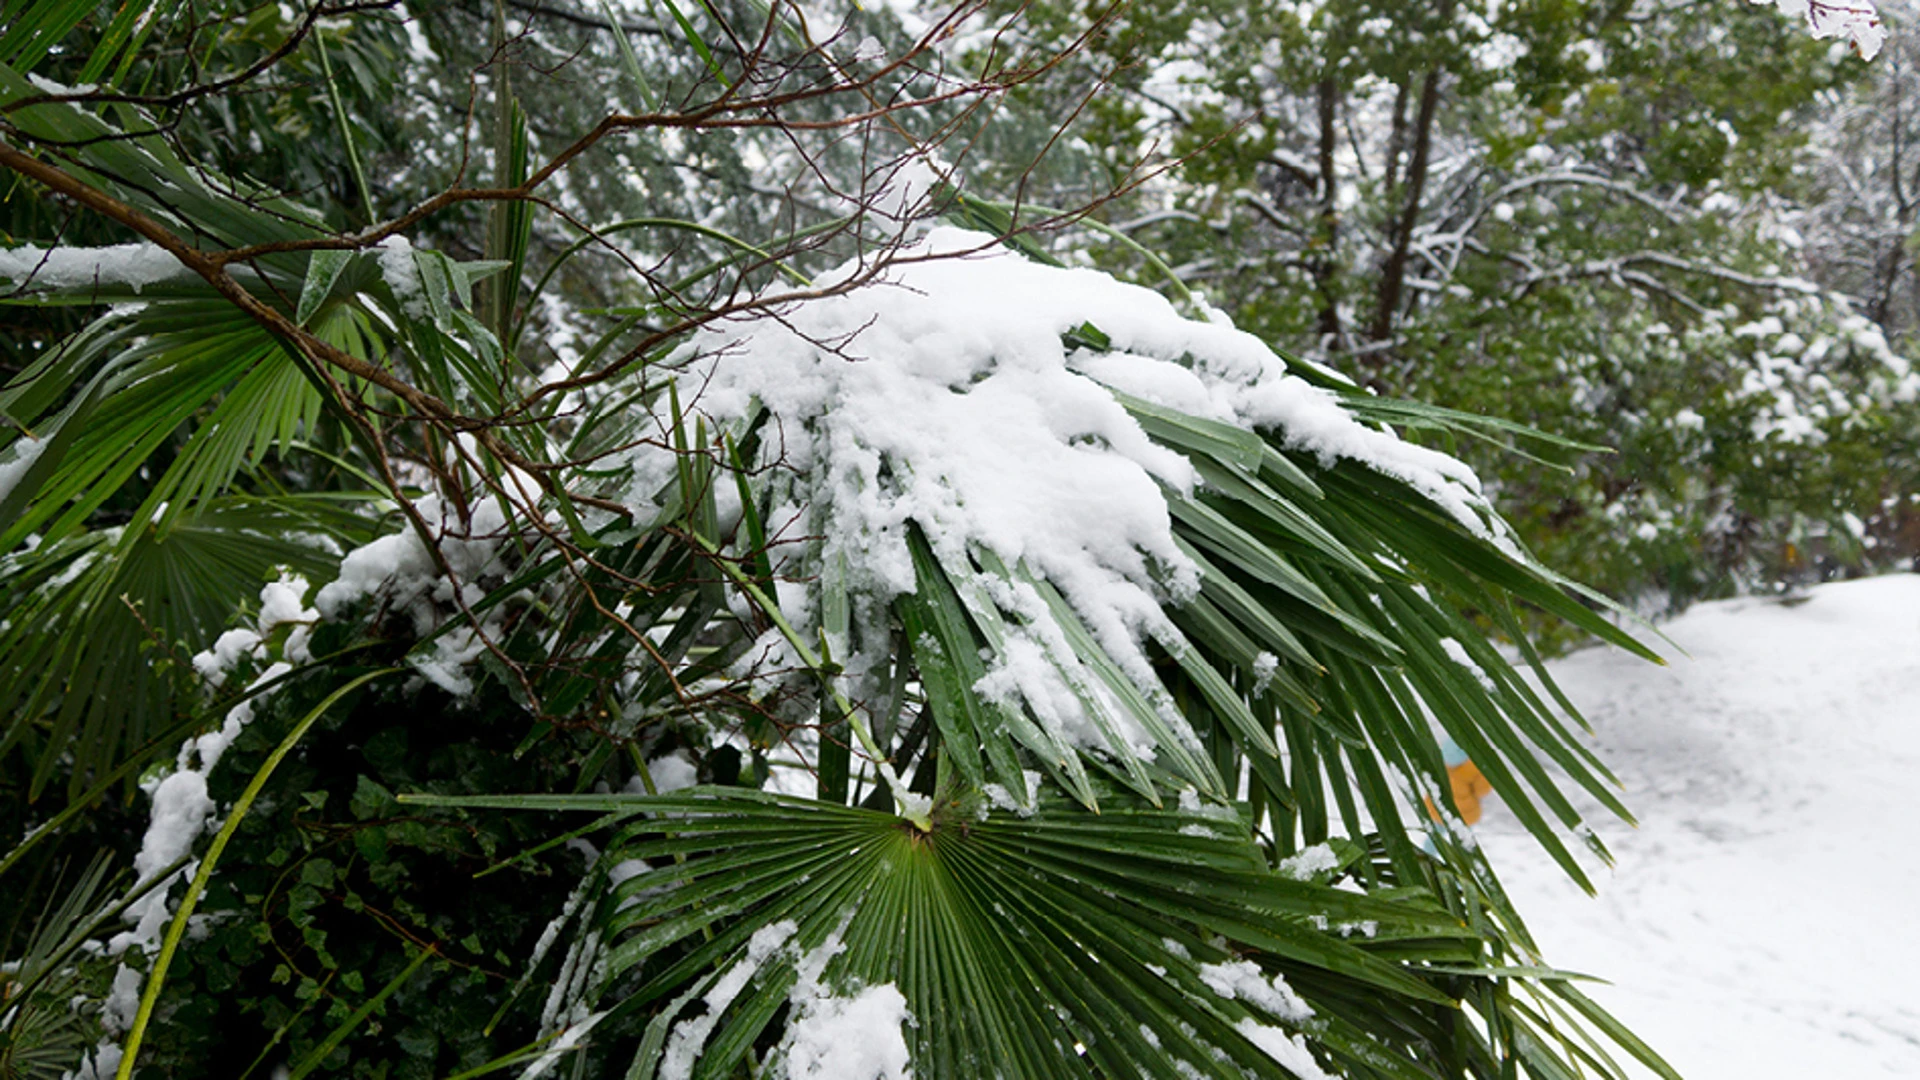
[[1763, 921]]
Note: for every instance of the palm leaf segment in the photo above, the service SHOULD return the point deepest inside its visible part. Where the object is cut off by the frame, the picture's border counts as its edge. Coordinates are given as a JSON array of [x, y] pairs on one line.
[[1022, 519]]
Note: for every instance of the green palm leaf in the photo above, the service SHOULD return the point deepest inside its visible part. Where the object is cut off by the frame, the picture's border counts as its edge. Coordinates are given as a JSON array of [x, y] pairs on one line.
[[100, 624], [1050, 943]]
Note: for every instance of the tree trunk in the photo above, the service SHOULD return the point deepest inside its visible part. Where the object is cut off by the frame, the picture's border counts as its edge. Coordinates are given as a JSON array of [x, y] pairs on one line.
[[1393, 273], [1323, 264]]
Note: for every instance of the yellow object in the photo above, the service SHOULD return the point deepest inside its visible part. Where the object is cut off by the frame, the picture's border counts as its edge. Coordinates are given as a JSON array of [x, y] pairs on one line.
[[1468, 786]]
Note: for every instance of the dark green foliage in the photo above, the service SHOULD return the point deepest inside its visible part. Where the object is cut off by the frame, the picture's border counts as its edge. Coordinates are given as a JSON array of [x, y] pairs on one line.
[[332, 892]]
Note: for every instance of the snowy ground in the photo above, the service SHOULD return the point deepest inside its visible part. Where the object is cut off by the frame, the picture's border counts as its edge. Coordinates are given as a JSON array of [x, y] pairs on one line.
[[1764, 920]]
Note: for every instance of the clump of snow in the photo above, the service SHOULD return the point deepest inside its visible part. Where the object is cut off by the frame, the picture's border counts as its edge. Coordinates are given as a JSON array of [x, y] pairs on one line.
[[670, 772], [1029, 670], [940, 396], [400, 569], [20, 457], [397, 562], [1458, 653], [849, 1038], [102, 1062], [406, 576], [214, 663], [208, 748], [1265, 666], [179, 815], [1243, 980], [690, 1036], [1192, 803], [912, 805], [1312, 420], [1002, 799], [833, 1037], [282, 602], [50, 86], [1318, 859], [453, 651], [829, 1036], [181, 810], [403, 275], [133, 265], [1854, 20], [1288, 1049]]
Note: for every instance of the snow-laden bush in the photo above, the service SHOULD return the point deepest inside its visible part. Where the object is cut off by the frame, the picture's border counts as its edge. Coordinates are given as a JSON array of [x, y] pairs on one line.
[[863, 647]]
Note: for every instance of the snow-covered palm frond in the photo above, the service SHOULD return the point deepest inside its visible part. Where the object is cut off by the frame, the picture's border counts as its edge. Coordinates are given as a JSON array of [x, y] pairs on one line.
[[1093, 525], [1023, 556]]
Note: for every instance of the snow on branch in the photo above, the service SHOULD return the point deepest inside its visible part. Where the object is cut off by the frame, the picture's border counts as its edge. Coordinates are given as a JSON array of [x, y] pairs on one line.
[[131, 265]]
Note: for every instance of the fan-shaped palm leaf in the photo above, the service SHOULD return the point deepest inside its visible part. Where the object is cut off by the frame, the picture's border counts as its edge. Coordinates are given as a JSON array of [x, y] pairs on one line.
[[1045, 943]]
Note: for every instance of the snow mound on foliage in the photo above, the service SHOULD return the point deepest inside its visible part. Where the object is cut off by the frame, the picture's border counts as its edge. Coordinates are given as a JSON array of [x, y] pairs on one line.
[[940, 395], [856, 1036], [1856, 21], [850, 1038]]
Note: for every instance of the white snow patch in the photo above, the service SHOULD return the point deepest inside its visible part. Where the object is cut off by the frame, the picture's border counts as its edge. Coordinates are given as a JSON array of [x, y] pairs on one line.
[[403, 276], [850, 1038], [834, 1037], [1002, 799], [1265, 667], [20, 457], [281, 603], [1856, 21], [1288, 1049], [133, 265], [690, 1036], [1458, 653], [1243, 980], [560, 1047], [1317, 859], [1759, 921], [670, 772], [941, 397], [228, 648]]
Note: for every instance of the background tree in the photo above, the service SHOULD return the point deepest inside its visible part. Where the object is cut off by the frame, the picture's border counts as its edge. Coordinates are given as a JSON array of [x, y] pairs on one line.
[[1579, 216]]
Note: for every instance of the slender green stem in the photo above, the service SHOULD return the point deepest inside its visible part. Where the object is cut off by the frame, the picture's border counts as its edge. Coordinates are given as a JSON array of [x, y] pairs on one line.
[[346, 130]]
